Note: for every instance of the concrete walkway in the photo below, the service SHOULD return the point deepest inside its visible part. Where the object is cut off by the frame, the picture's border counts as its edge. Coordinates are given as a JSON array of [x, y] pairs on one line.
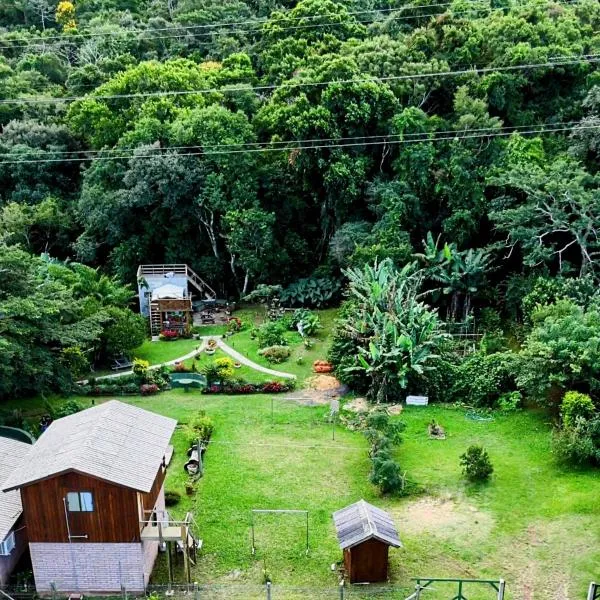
[[191, 354], [249, 363], [203, 344]]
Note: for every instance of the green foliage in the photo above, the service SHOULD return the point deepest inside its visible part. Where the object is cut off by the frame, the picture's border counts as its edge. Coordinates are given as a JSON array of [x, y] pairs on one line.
[[510, 401], [200, 427], [576, 406], [578, 443], [476, 464], [481, 379], [125, 332], [395, 333], [66, 408], [275, 354], [219, 369], [140, 368], [562, 352], [305, 321], [271, 333], [311, 292]]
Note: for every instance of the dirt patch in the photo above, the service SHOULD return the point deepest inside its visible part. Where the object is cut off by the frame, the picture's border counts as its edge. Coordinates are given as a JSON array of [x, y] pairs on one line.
[[321, 389], [323, 383], [395, 409], [444, 517]]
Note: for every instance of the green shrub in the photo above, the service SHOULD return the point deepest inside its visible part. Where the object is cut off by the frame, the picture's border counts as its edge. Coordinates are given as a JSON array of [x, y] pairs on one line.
[[579, 443], [271, 334], [386, 473], [172, 498], [576, 406], [70, 407], [510, 401], [276, 354], [225, 368], [200, 427], [140, 367], [305, 321], [482, 378], [476, 464]]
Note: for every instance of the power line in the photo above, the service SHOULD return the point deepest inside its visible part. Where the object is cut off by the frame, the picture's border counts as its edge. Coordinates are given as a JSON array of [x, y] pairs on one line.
[[187, 29], [424, 134], [555, 62], [454, 137]]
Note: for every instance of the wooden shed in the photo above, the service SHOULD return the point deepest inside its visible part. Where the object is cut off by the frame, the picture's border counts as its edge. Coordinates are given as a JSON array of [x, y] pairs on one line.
[[365, 533]]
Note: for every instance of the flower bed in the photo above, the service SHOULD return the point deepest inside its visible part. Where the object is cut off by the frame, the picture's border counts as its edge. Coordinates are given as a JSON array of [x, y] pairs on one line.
[[244, 387]]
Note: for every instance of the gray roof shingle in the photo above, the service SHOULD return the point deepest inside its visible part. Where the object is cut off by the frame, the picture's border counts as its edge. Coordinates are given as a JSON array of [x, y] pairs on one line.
[[113, 441], [362, 521], [12, 453]]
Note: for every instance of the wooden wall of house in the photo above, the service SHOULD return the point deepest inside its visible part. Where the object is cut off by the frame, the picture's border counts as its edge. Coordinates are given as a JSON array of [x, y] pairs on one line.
[[367, 562], [115, 517], [149, 499]]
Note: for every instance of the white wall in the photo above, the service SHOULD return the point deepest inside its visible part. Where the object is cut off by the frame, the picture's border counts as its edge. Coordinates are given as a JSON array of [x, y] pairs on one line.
[[88, 567]]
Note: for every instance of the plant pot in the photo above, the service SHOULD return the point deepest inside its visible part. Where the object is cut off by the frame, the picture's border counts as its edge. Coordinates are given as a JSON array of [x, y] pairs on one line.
[[237, 365], [210, 351], [189, 489]]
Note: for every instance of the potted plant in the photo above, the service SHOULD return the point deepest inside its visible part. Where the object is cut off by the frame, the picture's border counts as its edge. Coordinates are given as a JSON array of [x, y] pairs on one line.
[[237, 365], [189, 487]]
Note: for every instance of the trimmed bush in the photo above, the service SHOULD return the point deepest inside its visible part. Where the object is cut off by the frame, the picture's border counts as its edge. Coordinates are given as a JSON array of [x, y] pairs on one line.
[[276, 354], [476, 464]]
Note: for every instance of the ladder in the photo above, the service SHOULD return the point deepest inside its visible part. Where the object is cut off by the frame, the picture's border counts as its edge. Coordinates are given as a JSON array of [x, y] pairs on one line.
[[155, 318]]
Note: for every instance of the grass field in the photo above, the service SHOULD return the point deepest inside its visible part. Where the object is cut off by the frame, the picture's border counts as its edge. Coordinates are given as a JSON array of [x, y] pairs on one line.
[[535, 524]]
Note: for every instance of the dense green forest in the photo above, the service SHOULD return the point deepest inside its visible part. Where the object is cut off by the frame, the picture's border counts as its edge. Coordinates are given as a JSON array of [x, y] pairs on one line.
[[304, 145]]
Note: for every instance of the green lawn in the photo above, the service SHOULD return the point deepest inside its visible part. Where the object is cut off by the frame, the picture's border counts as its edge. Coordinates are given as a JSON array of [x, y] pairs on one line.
[[159, 352], [534, 524]]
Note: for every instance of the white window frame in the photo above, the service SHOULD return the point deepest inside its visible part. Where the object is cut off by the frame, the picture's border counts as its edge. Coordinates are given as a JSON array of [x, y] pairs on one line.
[[8, 544], [80, 502]]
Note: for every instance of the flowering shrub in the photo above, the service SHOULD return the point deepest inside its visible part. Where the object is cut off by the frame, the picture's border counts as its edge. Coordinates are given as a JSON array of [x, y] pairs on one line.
[[168, 334], [140, 367], [244, 387], [148, 389], [234, 324]]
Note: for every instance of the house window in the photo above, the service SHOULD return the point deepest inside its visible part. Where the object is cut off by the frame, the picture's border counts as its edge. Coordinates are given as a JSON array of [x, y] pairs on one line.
[[80, 502], [7, 546]]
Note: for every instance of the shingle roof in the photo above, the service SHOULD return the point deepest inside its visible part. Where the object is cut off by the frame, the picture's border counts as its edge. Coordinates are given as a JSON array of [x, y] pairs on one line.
[[362, 521], [113, 441], [12, 453]]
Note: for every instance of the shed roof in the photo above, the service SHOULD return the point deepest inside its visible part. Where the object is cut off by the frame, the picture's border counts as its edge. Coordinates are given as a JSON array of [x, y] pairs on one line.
[[362, 521], [114, 441], [12, 452]]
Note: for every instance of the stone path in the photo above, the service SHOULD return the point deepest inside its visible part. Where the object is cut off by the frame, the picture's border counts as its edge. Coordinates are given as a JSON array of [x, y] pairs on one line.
[[203, 343]]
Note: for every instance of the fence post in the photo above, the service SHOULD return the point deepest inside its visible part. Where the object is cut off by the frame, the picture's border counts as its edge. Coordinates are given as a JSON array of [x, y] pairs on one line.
[[268, 586], [342, 589], [196, 591], [501, 586]]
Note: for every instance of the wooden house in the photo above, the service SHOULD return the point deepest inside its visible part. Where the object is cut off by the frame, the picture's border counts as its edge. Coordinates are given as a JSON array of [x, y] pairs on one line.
[[365, 534], [92, 491], [165, 295], [13, 535]]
